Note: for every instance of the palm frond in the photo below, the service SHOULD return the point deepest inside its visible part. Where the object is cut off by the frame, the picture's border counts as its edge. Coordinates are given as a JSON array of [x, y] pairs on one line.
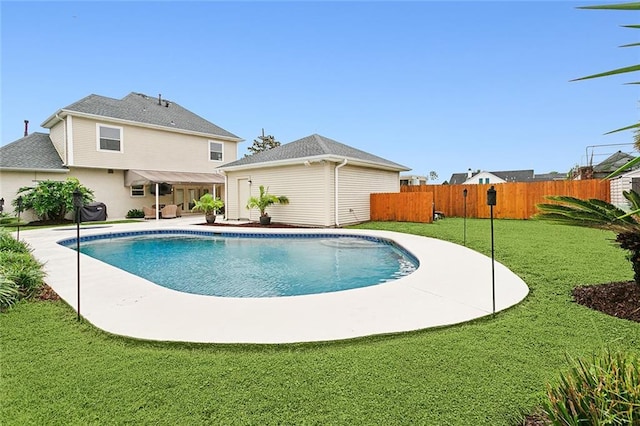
[[618, 6], [631, 68], [633, 197]]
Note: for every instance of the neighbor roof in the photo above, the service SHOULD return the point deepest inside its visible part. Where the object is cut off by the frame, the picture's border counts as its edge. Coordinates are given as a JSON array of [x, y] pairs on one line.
[[32, 152], [507, 175], [140, 108], [313, 146], [613, 163]]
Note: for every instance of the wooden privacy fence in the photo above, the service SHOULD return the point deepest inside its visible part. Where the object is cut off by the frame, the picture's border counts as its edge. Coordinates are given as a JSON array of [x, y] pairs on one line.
[[515, 200], [402, 207]]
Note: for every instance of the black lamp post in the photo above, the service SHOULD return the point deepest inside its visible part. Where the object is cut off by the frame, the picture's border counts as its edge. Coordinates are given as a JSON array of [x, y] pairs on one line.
[[1, 205], [77, 204], [491, 201], [19, 205], [464, 195]]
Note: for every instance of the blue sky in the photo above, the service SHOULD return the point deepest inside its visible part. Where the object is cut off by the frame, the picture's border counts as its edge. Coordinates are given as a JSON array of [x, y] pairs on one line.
[[442, 86]]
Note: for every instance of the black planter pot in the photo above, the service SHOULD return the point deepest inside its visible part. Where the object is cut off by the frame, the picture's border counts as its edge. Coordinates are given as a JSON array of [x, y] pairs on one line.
[[265, 220], [211, 218]]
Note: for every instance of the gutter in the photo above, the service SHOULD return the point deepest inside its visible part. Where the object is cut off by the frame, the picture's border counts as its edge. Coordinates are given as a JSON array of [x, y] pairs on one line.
[[335, 188]]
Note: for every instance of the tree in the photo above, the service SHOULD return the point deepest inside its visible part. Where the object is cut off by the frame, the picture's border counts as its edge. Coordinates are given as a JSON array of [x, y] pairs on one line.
[[433, 175], [51, 200], [263, 143], [631, 68], [599, 214]]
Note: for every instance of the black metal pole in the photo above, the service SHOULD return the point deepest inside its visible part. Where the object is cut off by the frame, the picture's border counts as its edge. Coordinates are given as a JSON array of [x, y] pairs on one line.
[[493, 271], [464, 194], [19, 201], [78, 254], [492, 201]]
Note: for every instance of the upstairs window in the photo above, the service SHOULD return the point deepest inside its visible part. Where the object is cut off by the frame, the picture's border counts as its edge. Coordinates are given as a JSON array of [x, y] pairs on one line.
[[215, 151], [109, 138]]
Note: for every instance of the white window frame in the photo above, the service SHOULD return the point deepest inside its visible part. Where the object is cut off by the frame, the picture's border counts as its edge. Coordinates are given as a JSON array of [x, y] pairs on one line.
[[120, 129], [137, 188], [221, 151]]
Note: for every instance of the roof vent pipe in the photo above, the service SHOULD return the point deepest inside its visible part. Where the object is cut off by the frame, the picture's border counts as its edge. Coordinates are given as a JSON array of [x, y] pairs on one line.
[[160, 99], [26, 128]]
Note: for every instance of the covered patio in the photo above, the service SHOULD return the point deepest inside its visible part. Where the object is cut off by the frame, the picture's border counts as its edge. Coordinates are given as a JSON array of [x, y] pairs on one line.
[[184, 187]]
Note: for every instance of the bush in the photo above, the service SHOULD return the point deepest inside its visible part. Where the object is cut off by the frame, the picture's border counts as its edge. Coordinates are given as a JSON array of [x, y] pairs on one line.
[[135, 214], [8, 243], [51, 200], [9, 292], [23, 270], [602, 391]]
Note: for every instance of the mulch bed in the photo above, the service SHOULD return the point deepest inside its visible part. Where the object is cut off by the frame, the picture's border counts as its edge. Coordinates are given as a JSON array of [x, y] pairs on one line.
[[255, 225]]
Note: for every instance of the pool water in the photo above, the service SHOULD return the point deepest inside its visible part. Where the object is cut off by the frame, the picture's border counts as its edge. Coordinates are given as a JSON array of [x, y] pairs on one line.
[[241, 266]]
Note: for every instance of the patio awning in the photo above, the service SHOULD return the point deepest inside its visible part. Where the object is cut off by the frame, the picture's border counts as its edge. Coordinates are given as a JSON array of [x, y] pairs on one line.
[[145, 177]]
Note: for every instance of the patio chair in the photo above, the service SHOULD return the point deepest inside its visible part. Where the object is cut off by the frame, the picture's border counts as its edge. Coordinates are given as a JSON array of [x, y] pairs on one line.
[[149, 212], [169, 211]]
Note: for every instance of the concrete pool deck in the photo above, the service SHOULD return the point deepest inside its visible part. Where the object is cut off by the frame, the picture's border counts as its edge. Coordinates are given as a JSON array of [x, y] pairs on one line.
[[452, 285]]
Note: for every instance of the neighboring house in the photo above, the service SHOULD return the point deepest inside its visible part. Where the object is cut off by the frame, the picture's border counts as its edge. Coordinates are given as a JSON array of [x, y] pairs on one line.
[[604, 168], [411, 180], [123, 149], [481, 177], [328, 183]]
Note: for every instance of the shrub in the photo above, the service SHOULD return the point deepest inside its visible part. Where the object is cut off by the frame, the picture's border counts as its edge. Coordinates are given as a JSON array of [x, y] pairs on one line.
[[8, 243], [135, 214], [9, 292], [24, 270], [602, 391], [51, 200]]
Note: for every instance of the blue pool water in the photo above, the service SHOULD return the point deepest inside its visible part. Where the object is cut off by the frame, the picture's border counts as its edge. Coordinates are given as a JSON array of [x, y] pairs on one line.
[[259, 265]]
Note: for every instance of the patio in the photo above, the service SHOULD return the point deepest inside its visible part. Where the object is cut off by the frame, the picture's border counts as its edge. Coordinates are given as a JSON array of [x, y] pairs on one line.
[[439, 293]]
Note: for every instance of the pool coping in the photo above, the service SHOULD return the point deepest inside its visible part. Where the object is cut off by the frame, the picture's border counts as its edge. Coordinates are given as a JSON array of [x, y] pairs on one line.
[[452, 285]]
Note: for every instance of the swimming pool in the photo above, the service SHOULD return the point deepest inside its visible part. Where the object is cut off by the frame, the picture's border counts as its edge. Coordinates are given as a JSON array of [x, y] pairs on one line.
[[252, 265]]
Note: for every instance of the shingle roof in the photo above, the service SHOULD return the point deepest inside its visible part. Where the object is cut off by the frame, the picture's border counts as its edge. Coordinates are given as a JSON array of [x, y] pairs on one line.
[[613, 163], [313, 146], [35, 151], [515, 175], [140, 108], [507, 175]]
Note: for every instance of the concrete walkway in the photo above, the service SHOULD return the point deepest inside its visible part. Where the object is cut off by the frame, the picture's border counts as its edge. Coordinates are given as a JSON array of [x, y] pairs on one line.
[[452, 285]]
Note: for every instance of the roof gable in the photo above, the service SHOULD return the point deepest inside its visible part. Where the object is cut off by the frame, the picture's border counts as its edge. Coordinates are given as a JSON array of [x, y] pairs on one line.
[[140, 108], [35, 151], [313, 146]]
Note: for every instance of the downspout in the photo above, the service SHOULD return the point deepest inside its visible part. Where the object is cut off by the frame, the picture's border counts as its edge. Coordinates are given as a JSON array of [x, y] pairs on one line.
[[64, 136], [335, 188]]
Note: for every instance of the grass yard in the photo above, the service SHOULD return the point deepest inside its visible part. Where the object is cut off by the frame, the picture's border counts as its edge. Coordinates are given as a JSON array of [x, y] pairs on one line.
[[487, 372]]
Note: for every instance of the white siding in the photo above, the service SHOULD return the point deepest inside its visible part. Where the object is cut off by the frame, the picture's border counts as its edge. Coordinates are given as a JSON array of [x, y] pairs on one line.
[[11, 181], [305, 186], [146, 149], [310, 190], [475, 180], [355, 186], [56, 134], [620, 184]]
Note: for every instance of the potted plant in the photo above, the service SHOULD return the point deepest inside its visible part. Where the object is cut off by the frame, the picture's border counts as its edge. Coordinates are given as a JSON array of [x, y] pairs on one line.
[[209, 206], [263, 201]]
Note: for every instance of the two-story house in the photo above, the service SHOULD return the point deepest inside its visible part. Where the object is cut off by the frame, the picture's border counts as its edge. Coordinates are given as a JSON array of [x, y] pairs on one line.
[[126, 150]]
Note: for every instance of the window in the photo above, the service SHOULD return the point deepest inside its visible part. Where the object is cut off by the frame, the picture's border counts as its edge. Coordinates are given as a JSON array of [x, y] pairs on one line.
[[215, 151], [109, 138], [137, 190]]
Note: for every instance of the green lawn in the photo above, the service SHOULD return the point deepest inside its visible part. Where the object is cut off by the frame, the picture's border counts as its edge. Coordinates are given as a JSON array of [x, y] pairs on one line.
[[56, 371]]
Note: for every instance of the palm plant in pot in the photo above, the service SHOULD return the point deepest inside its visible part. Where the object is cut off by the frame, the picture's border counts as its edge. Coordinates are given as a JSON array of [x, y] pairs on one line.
[[263, 201], [208, 205]]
